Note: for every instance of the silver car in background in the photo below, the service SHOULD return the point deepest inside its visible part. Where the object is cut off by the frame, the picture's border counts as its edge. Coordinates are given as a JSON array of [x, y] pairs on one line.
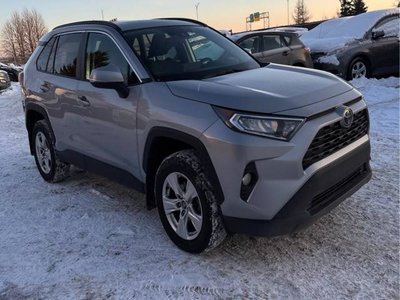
[[4, 80], [278, 47]]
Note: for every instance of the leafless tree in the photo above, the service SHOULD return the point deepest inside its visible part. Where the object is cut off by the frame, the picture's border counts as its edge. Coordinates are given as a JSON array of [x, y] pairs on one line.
[[21, 33], [301, 14]]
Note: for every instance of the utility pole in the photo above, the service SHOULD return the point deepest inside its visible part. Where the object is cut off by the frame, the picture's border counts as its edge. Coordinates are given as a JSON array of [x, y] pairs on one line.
[[102, 15], [288, 18], [197, 10]]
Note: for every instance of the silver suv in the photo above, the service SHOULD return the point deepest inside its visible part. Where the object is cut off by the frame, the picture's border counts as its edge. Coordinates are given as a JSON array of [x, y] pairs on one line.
[[218, 143]]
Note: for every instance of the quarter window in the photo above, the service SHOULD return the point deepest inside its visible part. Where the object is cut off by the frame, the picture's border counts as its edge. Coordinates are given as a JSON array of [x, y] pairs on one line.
[[101, 51], [66, 57], [42, 61]]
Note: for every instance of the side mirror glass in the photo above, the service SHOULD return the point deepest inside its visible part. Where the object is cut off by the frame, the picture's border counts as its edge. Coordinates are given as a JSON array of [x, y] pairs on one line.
[[109, 77], [378, 34]]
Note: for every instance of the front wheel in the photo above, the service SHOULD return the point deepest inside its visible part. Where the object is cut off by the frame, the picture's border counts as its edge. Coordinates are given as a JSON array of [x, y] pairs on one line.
[[187, 204], [359, 68]]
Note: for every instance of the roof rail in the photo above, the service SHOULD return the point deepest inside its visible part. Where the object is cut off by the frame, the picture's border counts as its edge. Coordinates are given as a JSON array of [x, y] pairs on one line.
[[94, 22], [185, 20]]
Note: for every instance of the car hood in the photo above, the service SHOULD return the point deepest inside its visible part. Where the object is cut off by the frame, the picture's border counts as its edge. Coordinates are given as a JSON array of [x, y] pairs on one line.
[[272, 89]]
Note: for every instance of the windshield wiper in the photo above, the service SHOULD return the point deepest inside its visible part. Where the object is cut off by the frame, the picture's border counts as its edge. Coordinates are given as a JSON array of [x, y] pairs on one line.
[[225, 72]]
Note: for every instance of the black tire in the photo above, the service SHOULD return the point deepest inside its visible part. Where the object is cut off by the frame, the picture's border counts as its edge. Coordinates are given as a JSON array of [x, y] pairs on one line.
[[357, 61], [57, 170], [212, 232]]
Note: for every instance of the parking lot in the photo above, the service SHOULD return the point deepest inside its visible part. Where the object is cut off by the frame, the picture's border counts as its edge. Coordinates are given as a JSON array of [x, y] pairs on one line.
[[88, 238]]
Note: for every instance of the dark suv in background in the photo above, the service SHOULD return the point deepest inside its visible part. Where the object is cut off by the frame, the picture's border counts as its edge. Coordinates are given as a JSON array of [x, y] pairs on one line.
[[276, 47]]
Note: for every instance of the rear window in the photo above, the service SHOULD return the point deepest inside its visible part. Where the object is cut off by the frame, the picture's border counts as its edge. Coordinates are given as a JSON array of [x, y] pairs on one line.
[[272, 42], [66, 57]]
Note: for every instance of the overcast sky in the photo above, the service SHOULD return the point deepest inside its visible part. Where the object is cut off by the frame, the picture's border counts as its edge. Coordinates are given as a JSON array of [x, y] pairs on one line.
[[221, 14]]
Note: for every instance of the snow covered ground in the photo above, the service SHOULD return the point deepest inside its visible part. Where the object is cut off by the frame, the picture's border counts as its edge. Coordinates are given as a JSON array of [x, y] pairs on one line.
[[88, 238]]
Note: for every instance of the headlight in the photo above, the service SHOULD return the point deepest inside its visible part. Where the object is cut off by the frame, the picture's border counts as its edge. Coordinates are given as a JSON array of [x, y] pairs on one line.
[[3, 81], [281, 128]]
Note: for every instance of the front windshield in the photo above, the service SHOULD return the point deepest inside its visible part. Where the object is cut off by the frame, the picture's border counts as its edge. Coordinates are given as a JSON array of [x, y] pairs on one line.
[[187, 52]]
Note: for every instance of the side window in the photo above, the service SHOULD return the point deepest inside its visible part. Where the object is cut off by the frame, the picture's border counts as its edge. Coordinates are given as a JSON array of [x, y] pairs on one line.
[[66, 56], [43, 59], [390, 26], [252, 45], [101, 51], [288, 40], [272, 42]]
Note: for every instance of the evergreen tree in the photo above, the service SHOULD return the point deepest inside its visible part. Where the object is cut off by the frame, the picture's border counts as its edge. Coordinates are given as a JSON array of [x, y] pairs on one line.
[[359, 7], [346, 8]]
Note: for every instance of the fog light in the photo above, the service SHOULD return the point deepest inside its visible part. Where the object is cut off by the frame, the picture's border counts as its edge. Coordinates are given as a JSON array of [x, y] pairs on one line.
[[246, 180]]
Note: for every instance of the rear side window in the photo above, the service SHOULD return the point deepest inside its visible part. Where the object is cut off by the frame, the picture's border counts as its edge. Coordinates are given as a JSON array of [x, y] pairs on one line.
[[66, 56], [252, 45], [272, 42], [102, 51], [288, 40], [43, 59]]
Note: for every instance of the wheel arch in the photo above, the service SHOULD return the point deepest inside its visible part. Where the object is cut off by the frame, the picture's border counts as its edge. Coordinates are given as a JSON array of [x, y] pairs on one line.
[[162, 142], [33, 113]]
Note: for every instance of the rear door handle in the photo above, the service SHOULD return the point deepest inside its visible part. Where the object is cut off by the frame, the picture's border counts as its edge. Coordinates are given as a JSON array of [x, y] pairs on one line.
[[285, 53], [83, 101]]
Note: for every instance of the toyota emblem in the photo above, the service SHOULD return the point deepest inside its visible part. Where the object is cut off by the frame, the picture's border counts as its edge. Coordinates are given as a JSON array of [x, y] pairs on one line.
[[347, 116]]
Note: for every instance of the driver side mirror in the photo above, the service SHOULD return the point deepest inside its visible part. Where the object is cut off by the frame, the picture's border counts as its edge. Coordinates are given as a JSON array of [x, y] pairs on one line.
[[378, 34], [109, 77]]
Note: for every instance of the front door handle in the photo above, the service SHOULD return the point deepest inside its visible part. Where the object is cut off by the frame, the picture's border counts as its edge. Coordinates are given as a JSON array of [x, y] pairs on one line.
[[84, 101], [285, 53], [44, 87]]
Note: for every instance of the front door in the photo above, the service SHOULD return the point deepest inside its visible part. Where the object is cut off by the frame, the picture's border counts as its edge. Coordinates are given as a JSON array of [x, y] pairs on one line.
[[108, 125]]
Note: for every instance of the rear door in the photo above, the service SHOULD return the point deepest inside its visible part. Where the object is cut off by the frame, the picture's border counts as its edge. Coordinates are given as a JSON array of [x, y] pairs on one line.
[[275, 49], [108, 122], [57, 84], [253, 45]]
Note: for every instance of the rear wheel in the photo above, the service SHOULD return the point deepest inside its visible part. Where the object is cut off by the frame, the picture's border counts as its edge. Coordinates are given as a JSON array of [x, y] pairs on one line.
[[187, 204], [359, 68], [50, 167]]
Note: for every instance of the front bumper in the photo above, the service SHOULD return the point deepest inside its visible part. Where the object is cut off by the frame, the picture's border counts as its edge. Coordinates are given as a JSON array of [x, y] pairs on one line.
[[326, 189], [281, 178]]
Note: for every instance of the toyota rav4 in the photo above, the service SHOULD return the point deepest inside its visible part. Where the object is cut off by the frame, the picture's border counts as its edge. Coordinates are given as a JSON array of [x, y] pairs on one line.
[[219, 143]]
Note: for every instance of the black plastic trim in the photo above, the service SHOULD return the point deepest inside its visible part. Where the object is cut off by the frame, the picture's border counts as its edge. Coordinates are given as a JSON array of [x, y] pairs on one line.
[[93, 165], [195, 143], [31, 106], [296, 215]]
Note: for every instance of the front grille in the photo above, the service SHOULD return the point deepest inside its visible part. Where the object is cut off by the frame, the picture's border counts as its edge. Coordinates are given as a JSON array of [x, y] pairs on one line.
[[334, 137], [325, 198]]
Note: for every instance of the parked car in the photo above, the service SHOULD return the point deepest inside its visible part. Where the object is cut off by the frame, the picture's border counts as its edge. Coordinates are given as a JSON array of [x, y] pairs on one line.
[[4, 80], [12, 72], [359, 46], [218, 142], [276, 47]]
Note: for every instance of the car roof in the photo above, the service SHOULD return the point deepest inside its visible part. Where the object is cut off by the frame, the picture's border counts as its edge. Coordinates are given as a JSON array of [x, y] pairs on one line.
[[135, 24], [238, 36]]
